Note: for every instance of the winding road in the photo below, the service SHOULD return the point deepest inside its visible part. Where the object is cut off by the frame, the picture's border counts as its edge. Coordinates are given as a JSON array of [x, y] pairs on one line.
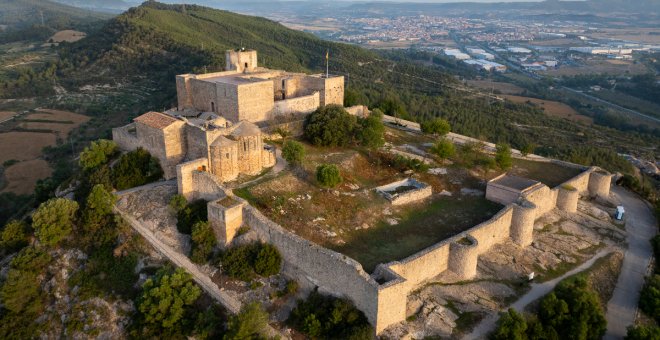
[[640, 227]]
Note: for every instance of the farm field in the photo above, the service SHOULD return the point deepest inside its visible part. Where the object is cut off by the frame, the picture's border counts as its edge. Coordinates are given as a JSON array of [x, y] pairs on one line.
[[552, 108], [21, 148], [599, 67], [504, 88], [67, 35]]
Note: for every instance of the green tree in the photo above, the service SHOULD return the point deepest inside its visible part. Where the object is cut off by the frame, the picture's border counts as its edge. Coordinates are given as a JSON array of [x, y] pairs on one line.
[[53, 220], [330, 125], [97, 153], [13, 236], [21, 292], [510, 326], [371, 130], [293, 152], [97, 218], [643, 333], [353, 97], [528, 149], [165, 299], [649, 300], [328, 175], [192, 213], [437, 126], [249, 324], [503, 156], [203, 241], [443, 148], [573, 311], [135, 168]]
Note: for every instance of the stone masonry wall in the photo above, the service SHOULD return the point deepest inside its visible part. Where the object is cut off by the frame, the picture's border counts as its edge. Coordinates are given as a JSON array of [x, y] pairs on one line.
[[413, 196], [493, 231], [206, 186], [184, 177], [125, 137], [599, 183], [463, 257], [567, 198], [255, 101], [580, 182], [298, 105], [225, 221], [522, 223]]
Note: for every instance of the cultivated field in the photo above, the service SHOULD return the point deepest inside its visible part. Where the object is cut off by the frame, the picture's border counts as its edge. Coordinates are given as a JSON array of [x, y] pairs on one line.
[[22, 177], [6, 115], [552, 108], [504, 88], [33, 132], [599, 67], [68, 36]]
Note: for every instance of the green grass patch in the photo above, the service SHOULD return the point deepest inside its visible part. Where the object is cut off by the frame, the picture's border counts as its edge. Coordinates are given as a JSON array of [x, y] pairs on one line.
[[550, 174], [419, 228]]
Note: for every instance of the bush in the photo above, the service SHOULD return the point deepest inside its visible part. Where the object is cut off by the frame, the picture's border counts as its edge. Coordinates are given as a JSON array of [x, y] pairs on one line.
[[528, 149], [268, 261], [649, 300], [503, 156], [134, 169], [203, 241], [437, 126], [97, 153], [191, 214], [328, 175], [293, 152], [165, 299], [330, 125], [510, 326], [250, 323], [322, 316], [643, 333], [443, 149], [14, 236], [98, 222], [53, 220], [244, 261], [371, 130]]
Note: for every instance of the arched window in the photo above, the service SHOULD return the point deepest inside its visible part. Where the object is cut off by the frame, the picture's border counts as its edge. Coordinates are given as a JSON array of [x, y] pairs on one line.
[[212, 107]]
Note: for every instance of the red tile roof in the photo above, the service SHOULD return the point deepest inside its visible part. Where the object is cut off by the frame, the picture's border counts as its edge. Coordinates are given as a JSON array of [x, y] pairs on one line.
[[156, 120]]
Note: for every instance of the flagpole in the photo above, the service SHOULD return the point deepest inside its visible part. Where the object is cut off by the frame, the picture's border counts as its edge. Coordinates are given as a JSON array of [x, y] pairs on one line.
[[327, 69]]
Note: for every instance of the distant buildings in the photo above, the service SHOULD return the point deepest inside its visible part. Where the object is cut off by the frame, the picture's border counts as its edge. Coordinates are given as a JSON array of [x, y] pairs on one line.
[[485, 65], [518, 50], [456, 54]]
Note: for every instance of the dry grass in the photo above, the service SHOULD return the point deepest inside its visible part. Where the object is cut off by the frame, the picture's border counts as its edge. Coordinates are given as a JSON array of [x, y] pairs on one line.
[[59, 122], [504, 88], [553, 108], [68, 36], [22, 177], [24, 146], [6, 115]]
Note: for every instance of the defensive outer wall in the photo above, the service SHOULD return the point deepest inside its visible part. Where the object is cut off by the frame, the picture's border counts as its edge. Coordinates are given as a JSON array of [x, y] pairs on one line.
[[382, 296]]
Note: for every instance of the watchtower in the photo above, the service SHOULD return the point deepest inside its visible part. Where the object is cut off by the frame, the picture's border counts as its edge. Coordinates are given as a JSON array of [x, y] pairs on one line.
[[240, 60]]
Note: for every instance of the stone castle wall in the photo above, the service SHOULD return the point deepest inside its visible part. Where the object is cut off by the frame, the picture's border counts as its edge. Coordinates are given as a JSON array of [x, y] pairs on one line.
[[298, 105], [184, 177], [255, 101], [125, 137], [522, 223], [599, 183], [206, 186], [567, 198]]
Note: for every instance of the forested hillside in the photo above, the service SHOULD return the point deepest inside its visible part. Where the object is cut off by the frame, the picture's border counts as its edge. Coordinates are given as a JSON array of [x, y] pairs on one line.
[[23, 13], [152, 43]]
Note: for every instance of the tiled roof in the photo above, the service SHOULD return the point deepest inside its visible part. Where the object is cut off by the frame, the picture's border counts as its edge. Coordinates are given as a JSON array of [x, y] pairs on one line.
[[156, 120]]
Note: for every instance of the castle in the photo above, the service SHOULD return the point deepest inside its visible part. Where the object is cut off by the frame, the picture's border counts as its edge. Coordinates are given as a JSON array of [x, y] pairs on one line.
[[218, 116]]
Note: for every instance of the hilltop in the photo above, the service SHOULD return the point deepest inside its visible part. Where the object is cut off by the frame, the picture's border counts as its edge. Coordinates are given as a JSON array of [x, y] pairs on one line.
[[19, 14]]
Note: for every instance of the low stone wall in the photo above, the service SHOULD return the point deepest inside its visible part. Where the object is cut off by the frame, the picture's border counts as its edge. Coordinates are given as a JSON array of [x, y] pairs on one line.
[[580, 182], [359, 111], [206, 186], [422, 159], [423, 191], [125, 137], [493, 231], [423, 265], [544, 198]]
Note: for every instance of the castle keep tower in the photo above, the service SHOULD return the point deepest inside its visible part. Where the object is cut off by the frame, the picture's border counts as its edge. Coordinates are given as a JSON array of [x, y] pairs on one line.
[[241, 60]]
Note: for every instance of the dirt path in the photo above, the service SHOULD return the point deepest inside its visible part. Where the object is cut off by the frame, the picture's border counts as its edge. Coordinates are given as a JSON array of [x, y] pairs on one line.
[[538, 290], [640, 227]]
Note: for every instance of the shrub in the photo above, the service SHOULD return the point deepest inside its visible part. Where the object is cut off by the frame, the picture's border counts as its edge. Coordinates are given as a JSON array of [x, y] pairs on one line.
[[443, 149], [244, 261], [291, 287], [21, 291], [328, 175], [268, 261], [191, 214], [503, 156], [98, 219], [164, 300], [643, 333], [293, 152], [53, 220], [250, 323], [510, 326], [437, 126], [13, 236], [97, 153], [371, 130], [330, 125], [134, 169], [528, 149], [649, 301], [178, 202], [203, 241], [322, 316]]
